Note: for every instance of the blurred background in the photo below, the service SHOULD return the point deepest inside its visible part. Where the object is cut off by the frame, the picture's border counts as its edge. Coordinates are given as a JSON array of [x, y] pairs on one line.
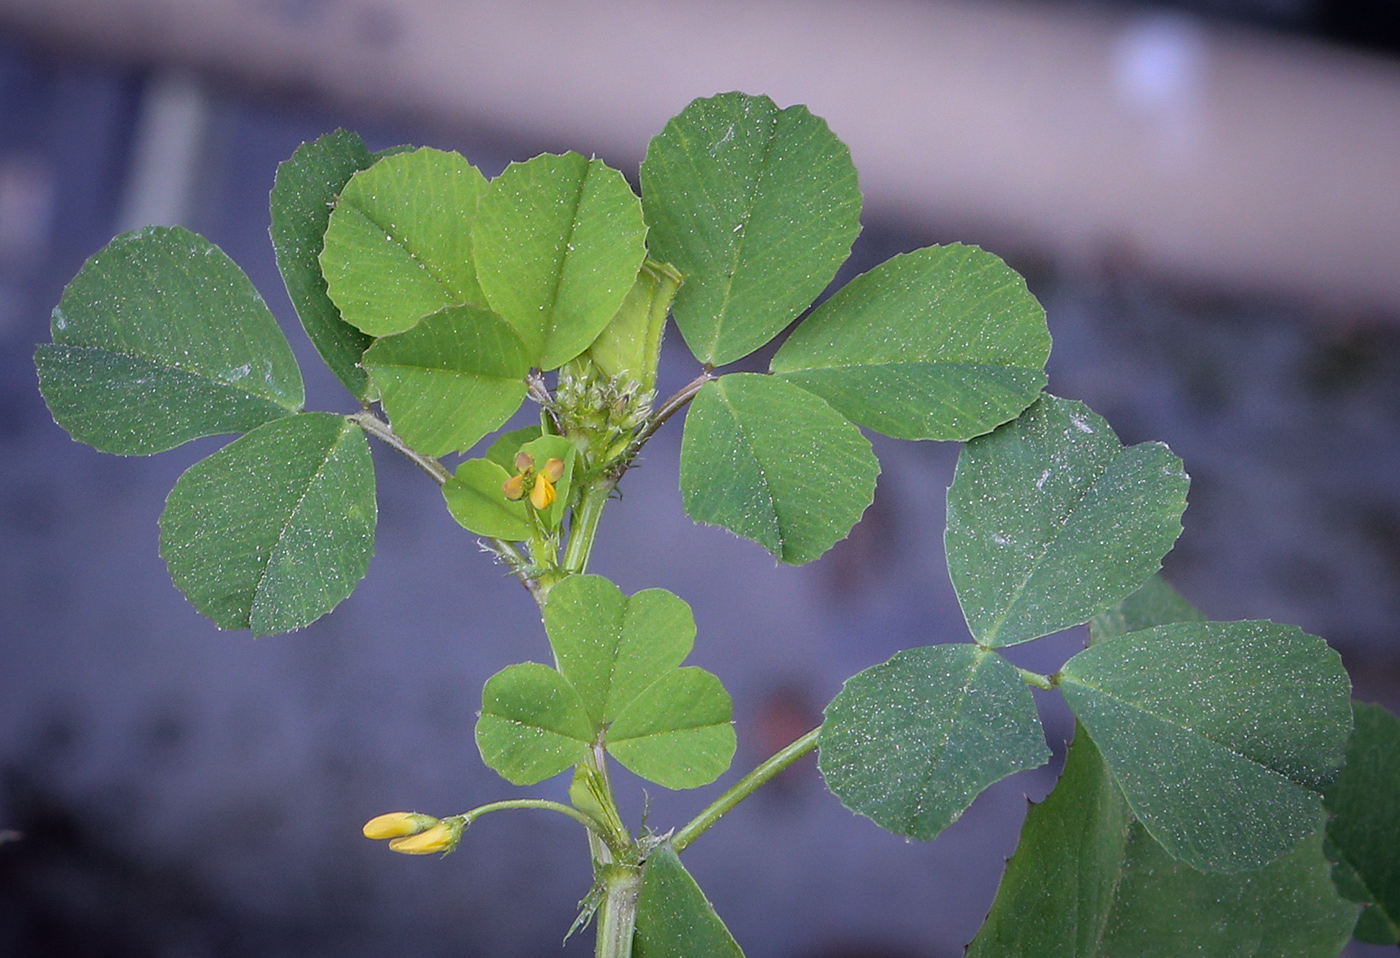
[[1205, 194]]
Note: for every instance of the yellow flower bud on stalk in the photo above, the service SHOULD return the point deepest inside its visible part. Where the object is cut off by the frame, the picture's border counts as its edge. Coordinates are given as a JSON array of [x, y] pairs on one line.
[[397, 824], [442, 837]]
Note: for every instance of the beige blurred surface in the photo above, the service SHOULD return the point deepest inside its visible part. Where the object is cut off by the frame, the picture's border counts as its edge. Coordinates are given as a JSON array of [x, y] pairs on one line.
[[1241, 162]]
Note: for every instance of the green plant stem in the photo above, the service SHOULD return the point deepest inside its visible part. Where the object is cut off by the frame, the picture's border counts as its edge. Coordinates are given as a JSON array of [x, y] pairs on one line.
[[617, 913], [583, 527], [507, 553], [539, 392], [611, 817], [668, 409], [1047, 683], [743, 788], [380, 430], [588, 821]]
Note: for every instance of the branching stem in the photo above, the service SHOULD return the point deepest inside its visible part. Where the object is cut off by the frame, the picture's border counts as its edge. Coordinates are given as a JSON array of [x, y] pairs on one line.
[[743, 788], [508, 553]]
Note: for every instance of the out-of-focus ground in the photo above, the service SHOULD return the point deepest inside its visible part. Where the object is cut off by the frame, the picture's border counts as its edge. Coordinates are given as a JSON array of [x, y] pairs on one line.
[[183, 792]]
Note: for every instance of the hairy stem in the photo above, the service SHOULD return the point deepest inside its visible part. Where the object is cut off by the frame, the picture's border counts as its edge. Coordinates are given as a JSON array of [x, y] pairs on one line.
[[617, 914], [583, 526], [380, 430], [743, 788], [669, 408], [508, 553]]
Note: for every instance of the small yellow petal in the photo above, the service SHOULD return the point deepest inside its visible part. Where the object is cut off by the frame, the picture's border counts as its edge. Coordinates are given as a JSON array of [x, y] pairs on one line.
[[553, 470], [542, 496], [440, 838], [514, 487], [397, 824], [524, 462]]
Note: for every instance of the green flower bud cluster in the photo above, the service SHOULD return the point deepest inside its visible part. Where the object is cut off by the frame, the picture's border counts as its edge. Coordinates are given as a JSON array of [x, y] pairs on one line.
[[600, 412]]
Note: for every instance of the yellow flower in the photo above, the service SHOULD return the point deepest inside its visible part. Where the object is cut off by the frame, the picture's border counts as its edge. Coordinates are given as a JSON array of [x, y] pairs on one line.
[[442, 837], [542, 493], [397, 824]]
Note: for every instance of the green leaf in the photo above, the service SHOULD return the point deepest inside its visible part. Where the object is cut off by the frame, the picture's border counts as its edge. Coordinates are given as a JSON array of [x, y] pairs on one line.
[[275, 529], [1156, 603], [622, 655], [674, 918], [533, 724], [1220, 734], [757, 207], [941, 343], [775, 464], [302, 197], [677, 733], [502, 451], [611, 647], [477, 501], [1051, 521], [1364, 828], [447, 382], [910, 743], [559, 241], [399, 242], [161, 339], [1375, 929], [1088, 882]]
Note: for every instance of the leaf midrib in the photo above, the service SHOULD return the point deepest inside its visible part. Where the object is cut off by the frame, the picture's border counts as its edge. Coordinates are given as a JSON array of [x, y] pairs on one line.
[[429, 268], [215, 381], [973, 667], [722, 312], [1176, 724], [562, 259], [1059, 526], [273, 555], [762, 474]]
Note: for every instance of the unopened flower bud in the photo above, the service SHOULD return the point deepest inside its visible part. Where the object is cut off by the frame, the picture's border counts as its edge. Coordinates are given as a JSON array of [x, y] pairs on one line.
[[442, 837], [397, 824], [514, 487]]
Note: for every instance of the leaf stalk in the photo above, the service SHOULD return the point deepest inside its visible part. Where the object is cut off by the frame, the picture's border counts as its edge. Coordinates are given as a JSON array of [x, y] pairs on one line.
[[745, 787]]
